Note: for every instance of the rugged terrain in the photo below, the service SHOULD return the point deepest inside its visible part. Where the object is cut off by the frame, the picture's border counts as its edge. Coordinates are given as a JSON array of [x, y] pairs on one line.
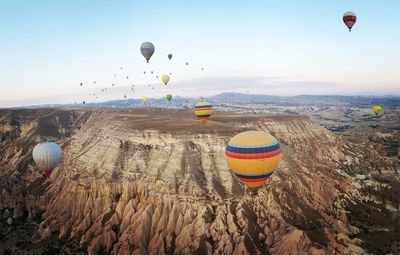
[[155, 181]]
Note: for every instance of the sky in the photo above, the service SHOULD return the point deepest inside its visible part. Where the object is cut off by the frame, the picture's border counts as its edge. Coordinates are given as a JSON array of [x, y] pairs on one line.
[[270, 47]]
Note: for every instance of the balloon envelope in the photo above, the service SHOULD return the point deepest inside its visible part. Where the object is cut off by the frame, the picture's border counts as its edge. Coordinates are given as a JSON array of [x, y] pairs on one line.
[[147, 50], [376, 109], [170, 56], [144, 99], [253, 156], [203, 111], [165, 79], [47, 156], [349, 19], [168, 97]]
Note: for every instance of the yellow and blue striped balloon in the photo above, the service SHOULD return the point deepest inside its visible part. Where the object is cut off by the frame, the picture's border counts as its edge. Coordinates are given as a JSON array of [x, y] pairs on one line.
[[253, 156], [203, 111]]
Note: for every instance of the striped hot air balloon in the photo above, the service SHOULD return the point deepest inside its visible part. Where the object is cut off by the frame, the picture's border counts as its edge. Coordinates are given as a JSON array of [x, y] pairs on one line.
[[47, 156], [253, 156], [203, 111]]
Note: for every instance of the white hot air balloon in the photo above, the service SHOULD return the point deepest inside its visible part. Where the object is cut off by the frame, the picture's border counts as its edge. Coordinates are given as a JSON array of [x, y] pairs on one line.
[[47, 156], [147, 50]]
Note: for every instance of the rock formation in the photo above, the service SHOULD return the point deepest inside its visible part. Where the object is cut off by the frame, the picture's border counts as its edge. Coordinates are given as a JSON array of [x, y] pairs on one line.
[[155, 181]]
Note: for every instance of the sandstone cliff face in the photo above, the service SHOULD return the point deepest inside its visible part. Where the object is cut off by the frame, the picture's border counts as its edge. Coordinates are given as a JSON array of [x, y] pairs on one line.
[[155, 181]]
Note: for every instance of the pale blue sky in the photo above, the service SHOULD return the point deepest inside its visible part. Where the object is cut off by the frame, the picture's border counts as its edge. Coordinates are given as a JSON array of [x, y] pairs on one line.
[[272, 47]]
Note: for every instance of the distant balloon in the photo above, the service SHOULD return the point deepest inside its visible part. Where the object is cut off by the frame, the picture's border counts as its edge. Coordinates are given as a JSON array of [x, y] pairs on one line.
[[127, 77], [151, 72], [253, 156], [144, 99], [81, 84], [121, 68], [147, 50], [170, 73], [144, 72], [84, 102], [187, 63], [168, 97], [203, 111], [165, 79], [170, 56], [47, 156], [376, 109], [124, 96], [202, 69], [156, 76], [113, 84], [115, 75], [349, 19], [94, 82]]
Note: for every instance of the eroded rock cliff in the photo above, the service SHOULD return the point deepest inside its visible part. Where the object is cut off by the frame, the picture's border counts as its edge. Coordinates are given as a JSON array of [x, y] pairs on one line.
[[155, 181]]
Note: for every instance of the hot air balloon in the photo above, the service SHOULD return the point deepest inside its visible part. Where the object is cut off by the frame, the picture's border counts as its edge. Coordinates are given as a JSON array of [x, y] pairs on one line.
[[203, 111], [84, 102], [170, 56], [121, 68], [94, 82], [165, 79], [187, 63], [376, 109], [147, 50], [81, 84], [168, 97], [144, 99], [127, 77], [113, 84], [152, 72], [124, 96], [144, 72], [349, 18], [47, 156], [156, 76], [253, 156]]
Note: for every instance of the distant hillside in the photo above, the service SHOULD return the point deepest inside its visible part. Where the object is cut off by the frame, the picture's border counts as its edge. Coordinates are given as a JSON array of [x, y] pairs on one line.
[[240, 98]]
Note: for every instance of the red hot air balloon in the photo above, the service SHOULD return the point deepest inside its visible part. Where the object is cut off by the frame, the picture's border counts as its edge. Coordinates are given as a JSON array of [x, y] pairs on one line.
[[349, 18]]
